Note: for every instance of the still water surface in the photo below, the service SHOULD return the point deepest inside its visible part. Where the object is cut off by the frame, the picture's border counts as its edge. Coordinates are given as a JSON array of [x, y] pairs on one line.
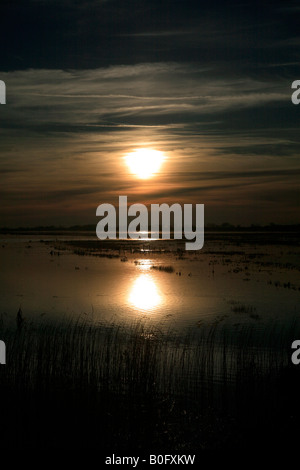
[[245, 285]]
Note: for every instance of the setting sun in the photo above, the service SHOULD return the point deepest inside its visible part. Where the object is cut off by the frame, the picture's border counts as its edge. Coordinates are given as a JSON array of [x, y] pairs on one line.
[[144, 163]]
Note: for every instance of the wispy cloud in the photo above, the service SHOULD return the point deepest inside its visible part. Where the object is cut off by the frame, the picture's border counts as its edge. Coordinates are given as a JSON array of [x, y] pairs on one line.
[[154, 92]]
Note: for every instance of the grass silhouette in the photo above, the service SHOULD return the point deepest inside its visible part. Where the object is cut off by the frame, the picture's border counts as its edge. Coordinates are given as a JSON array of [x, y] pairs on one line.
[[116, 388]]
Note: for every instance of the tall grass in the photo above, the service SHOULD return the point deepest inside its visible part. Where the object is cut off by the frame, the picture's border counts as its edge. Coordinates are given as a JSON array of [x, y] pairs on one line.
[[130, 382]]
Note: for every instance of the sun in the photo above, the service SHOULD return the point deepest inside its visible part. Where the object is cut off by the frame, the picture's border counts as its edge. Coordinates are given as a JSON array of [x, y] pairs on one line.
[[144, 163]]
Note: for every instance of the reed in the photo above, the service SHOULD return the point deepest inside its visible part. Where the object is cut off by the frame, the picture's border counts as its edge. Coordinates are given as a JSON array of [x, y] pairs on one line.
[[84, 385]]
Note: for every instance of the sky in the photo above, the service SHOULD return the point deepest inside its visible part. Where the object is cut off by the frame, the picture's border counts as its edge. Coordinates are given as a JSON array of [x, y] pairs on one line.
[[207, 83]]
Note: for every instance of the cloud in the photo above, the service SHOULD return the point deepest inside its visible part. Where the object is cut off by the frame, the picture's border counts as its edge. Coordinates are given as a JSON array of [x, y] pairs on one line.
[[89, 34], [159, 94], [89, 81]]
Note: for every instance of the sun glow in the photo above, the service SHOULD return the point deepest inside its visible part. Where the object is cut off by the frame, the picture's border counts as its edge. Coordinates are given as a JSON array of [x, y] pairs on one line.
[[144, 294], [144, 163]]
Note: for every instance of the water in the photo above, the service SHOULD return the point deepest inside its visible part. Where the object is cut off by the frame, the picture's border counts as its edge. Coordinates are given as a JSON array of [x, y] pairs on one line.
[[230, 306], [229, 282]]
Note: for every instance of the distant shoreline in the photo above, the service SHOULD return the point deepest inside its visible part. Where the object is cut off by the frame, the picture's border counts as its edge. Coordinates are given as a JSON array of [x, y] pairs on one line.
[[210, 228]]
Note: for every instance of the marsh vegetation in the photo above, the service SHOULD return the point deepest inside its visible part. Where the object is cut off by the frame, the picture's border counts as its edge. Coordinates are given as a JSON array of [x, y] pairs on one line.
[[78, 385]]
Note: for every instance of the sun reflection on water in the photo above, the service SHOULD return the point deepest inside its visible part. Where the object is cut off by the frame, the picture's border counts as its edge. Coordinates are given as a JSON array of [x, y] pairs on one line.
[[144, 294], [144, 264]]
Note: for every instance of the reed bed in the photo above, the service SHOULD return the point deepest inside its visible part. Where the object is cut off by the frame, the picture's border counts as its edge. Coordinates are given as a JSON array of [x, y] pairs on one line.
[[140, 386]]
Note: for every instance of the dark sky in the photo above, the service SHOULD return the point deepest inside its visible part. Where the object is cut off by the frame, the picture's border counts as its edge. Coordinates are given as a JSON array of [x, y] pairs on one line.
[[207, 83]]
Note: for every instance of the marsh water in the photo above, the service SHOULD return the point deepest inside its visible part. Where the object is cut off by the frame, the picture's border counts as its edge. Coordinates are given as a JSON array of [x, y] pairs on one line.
[[207, 330], [235, 279]]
